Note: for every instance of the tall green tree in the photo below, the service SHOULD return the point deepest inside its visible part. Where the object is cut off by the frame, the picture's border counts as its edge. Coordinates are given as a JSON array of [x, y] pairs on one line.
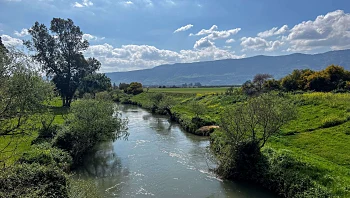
[[94, 83], [60, 51]]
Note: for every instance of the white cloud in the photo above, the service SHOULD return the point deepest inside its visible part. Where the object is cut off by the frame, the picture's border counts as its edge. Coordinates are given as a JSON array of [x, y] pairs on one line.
[[183, 28], [213, 34], [203, 43], [133, 57], [273, 32], [205, 32], [24, 32], [258, 44], [10, 41], [331, 31], [90, 37], [230, 41], [84, 3], [127, 3]]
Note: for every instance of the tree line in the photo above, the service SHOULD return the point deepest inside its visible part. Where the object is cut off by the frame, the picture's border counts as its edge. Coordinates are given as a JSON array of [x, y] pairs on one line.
[[333, 78]]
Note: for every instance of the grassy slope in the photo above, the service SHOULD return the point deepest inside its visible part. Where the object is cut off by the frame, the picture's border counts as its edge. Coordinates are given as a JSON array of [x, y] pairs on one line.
[[19, 144], [324, 148]]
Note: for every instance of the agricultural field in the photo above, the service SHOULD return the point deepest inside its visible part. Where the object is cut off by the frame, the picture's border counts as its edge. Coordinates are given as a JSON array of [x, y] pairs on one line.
[[189, 90]]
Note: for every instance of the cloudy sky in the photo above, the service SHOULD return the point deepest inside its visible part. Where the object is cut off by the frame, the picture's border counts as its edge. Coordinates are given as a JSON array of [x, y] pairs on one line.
[[138, 34]]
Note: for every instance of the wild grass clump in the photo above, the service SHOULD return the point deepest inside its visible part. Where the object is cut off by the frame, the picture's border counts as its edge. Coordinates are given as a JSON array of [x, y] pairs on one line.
[[332, 121]]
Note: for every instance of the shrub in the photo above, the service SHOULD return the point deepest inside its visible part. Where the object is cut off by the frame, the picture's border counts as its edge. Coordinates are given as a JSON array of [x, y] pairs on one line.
[[33, 180], [332, 121], [89, 123], [103, 96], [44, 154], [290, 177], [79, 188]]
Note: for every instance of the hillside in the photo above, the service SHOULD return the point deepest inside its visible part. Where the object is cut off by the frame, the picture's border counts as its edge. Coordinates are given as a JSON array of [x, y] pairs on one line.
[[231, 71]]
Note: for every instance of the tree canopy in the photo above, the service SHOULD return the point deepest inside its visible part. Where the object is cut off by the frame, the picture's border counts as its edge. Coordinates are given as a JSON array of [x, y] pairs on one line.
[[60, 51]]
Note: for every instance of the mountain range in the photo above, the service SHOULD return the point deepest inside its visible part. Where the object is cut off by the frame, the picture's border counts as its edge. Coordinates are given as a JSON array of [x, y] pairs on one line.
[[231, 71]]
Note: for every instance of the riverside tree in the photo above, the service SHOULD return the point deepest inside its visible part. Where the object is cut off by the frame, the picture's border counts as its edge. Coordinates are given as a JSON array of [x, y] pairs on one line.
[[60, 51], [246, 128], [22, 93]]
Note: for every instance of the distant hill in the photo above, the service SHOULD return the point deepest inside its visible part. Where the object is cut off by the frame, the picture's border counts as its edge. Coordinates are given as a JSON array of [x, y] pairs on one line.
[[231, 71]]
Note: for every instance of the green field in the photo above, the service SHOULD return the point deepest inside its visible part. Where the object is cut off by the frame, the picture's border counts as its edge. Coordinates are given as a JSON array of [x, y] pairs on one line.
[[189, 90], [13, 147]]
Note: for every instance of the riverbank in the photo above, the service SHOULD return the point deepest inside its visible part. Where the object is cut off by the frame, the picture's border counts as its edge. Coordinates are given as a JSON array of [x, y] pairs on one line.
[[317, 139]]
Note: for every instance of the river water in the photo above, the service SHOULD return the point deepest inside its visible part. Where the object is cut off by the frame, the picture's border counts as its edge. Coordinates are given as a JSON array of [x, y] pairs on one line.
[[159, 159]]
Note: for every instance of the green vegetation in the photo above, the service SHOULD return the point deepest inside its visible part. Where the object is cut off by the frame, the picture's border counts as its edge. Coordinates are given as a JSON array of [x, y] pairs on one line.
[[41, 141], [60, 51], [308, 157], [190, 90]]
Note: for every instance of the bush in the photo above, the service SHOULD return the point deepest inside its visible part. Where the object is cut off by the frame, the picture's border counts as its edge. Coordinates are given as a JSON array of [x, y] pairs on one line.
[[290, 177], [44, 154], [33, 180], [332, 121], [89, 123]]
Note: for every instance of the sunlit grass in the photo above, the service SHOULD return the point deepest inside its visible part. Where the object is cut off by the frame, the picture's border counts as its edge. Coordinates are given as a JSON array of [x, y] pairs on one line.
[[12, 147]]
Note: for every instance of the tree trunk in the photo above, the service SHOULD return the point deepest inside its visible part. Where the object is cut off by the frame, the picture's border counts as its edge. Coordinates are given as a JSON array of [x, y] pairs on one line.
[[63, 101]]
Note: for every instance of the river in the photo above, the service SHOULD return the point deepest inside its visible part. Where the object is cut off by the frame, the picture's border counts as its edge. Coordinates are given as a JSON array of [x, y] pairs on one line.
[[159, 159]]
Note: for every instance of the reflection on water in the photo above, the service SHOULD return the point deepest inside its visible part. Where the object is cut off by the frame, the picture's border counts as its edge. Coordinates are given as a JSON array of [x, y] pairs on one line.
[[158, 160]]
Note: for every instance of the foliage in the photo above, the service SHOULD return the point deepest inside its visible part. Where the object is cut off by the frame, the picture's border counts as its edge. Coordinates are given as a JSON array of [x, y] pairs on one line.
[[123, 86], [260, 79], [60, 51], [272, 85], [249, 88], [44, 154], [103, 96], [79, 188], [197, 108], [22, 93], [134, 88], [257, 120], [94, 83], [290, 177], [297, 80], [90, 122], [33, 180]]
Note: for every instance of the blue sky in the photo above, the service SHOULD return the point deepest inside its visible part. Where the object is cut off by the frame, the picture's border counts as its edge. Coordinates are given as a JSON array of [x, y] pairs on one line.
[[138, 34]]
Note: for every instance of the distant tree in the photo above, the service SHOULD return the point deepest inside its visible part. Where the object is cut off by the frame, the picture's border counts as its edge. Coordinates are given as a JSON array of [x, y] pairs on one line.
[[123, 86], [134, 88], [115, 86], [272, 84], [249, 88], [331, 78], [260, 79], [297, 80], [94, 83], [60, 51], [197, 84], [230, 91]]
